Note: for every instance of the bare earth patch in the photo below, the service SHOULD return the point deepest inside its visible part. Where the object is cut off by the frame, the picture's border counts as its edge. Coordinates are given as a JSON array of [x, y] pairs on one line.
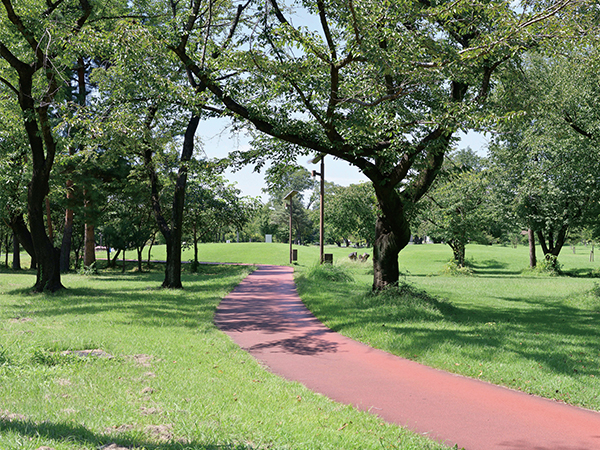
[[142, 360], [150, 411], [160, 432], [20, 320], [97, 352], [9, 417]]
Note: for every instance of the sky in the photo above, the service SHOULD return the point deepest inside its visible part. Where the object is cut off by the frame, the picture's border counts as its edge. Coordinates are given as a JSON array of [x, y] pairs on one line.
[[218, 142]]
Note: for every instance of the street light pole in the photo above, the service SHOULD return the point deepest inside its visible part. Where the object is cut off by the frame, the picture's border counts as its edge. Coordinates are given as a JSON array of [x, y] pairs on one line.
[[321, 205]]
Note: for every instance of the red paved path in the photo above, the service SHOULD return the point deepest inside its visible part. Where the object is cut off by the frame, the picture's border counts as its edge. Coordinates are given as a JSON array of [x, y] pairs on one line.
[[265, 316]]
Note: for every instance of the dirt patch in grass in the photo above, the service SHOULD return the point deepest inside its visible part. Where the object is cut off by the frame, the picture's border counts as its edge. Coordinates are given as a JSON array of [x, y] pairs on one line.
[[20, 320], [9, 417], [150, 411], [160, 432], [96, 352], [142, 360]]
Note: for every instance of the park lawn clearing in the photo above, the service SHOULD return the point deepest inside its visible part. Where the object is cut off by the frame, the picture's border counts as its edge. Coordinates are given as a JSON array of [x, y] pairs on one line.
[[538, 334], [115, 361]]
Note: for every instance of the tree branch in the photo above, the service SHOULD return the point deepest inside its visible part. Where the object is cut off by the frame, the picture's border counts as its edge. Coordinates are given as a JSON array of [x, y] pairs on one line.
[[10, 86]]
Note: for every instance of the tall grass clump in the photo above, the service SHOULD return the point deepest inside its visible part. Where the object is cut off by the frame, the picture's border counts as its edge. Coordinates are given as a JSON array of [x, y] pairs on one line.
[[329, 273], [404, 302]]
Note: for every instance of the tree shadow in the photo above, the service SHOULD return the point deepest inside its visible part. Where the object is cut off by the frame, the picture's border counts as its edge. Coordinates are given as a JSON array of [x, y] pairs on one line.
[[141, 300], [543, 330], [80, 435]]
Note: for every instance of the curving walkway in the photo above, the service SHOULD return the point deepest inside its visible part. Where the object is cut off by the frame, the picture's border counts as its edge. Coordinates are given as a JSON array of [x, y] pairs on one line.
[[265, 316]]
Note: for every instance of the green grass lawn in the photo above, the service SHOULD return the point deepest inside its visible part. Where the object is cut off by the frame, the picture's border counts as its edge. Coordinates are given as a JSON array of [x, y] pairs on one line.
[[174, 381], [167, 378], [538, 334]]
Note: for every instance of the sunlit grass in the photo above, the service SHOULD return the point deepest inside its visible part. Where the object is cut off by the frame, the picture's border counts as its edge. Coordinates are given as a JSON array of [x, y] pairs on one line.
[[165, 378], [539, 334]]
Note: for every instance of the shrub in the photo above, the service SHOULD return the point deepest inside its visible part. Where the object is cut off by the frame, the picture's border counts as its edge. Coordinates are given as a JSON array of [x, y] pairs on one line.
[[453, 269]]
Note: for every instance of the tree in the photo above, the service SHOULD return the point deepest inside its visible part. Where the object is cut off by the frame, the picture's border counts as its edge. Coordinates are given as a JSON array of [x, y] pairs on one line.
[[383, 86], [212, 206], [31, 72], [547, 153], [456, 209], [350, 213]]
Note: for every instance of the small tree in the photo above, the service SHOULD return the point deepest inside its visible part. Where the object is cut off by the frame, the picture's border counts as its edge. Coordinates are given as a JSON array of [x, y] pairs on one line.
[[455, 210], [351, 212]]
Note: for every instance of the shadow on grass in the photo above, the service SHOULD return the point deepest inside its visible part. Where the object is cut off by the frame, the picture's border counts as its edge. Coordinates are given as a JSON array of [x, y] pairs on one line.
[[80, 435], [542, 330], [139, 299]]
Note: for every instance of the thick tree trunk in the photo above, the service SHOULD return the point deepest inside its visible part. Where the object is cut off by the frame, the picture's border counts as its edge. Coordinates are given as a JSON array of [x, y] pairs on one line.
[[458, 252], [16, 262], [550, 246], [173, 233], [173, 267], [47, 257], [392, 234], [532, 257]]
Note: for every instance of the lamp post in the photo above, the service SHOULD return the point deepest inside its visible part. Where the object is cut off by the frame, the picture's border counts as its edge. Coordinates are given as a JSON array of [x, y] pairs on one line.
[[288, 198], [321, 174]]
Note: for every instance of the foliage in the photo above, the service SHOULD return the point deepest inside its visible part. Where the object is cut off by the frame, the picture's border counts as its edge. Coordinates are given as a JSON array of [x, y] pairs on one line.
[[457, 210], [350, 213], [384, 86], [547, 169], [453, 268]]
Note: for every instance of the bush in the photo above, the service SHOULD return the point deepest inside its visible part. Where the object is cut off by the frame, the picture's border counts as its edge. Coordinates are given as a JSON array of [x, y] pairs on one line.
[[453, 269], [548, 266], [88, 270]]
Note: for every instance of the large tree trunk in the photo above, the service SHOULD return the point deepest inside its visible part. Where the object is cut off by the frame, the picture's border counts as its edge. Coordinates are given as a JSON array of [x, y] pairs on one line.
[[47, 257], [173, 233], [532, 257], [550, 245], [392, 234], [458, 252]]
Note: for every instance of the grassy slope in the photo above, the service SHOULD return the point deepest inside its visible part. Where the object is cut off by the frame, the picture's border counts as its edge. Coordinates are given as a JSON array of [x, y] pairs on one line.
[[174, 382]]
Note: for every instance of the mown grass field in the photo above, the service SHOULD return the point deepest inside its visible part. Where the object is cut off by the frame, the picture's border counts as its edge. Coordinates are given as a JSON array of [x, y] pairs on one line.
[[173, 381]]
